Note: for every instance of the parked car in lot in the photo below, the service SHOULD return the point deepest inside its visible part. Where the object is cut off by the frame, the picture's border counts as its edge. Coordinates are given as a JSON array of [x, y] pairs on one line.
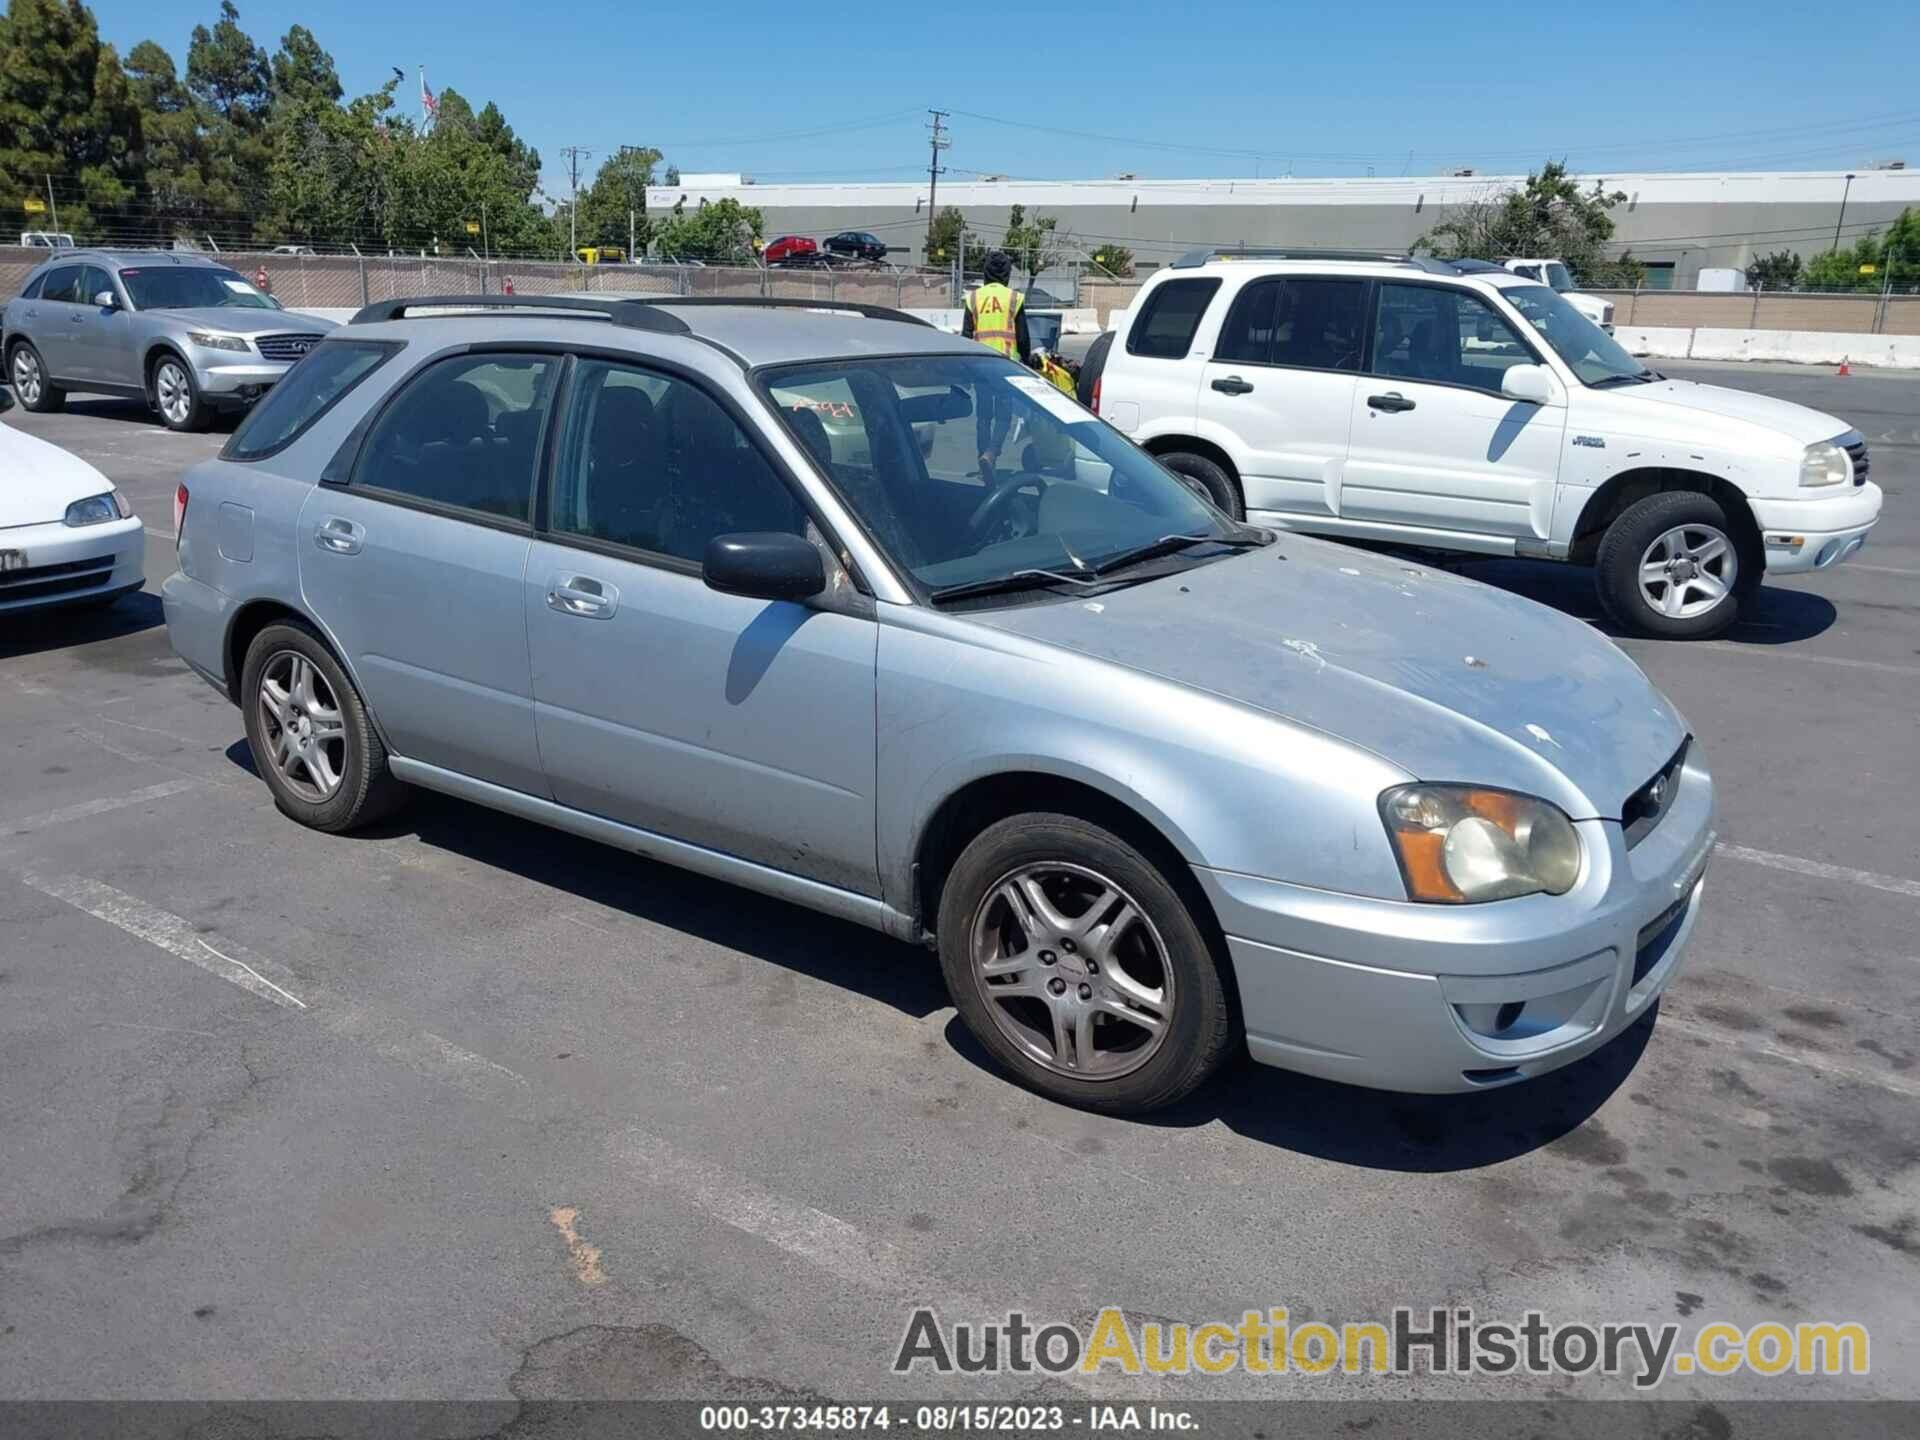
[[791, 250], [857, 245], [1408, 400], [46, 239], [725, 584], [67, 536], [182, 332]]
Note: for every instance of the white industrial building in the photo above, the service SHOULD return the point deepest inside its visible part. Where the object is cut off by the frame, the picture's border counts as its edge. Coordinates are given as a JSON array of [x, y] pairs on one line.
[[1676, 223]]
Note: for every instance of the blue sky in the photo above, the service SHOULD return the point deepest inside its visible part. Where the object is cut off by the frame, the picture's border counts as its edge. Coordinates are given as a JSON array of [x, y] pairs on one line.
[[815, 92]]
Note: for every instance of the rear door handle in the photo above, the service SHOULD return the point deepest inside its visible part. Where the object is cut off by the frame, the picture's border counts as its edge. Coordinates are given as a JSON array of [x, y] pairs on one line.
[[1393, 402], [339, 535], [582, 595], [1233, 385]]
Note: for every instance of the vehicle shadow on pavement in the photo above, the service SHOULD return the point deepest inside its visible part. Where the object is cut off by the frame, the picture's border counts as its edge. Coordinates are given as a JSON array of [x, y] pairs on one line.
[[33, 631], [1774, 616]]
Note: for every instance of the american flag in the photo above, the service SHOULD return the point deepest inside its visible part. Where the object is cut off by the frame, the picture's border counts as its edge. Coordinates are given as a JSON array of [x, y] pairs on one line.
[[429, 106]]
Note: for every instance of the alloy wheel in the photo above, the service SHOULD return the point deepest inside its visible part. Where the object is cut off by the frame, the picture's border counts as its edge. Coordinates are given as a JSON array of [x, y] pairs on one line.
[[1688, 570], [300, 720], [1072, 971], [174, 391], [26, 376]]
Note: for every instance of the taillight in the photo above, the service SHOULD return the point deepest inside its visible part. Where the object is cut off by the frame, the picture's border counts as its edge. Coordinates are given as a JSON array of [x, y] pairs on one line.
[[1096, 399], [179, 511]]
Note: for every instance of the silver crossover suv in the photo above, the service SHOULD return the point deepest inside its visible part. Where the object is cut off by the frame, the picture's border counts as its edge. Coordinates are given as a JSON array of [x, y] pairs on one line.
[[832, 605], [185, 334]]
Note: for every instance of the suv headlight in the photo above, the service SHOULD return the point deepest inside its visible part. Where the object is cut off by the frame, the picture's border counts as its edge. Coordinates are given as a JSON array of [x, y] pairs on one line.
[[1457, 844], [210, 341], [1826, 464], [97, 509]]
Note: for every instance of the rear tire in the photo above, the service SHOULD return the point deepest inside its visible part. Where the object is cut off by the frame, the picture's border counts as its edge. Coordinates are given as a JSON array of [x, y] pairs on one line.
[[312, 740], [1672, 567], [1208, 479], [31, 387], [176, 395], [1097, 987]]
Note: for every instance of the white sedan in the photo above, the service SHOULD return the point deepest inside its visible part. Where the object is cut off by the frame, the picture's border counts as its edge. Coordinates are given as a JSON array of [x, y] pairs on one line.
[[67, 536]]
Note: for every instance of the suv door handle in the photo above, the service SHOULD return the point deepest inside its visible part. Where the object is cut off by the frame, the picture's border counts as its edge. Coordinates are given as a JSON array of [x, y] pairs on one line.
[[582, 595], [1233, 385], [1393, 402], [341, 536]]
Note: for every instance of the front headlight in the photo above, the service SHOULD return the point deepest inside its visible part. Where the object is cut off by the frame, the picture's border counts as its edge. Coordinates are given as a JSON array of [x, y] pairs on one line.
[[97, 509], [1457, 844], [1826, 464], [206, 339]]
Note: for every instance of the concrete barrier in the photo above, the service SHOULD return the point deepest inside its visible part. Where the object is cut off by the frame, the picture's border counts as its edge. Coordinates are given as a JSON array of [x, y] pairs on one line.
[[1807, 347], [1657, 341]]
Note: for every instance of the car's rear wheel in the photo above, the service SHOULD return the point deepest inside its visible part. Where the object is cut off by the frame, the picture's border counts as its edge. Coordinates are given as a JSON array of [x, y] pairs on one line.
[[1080, 968], [1208, 479], [1671, 566], [177, 397], [31, 387], [312, 740]]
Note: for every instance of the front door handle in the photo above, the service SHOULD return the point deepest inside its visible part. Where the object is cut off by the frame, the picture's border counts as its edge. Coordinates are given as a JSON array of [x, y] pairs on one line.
[[339, 535], [1393, 402], [1233, 385], [582, 595]]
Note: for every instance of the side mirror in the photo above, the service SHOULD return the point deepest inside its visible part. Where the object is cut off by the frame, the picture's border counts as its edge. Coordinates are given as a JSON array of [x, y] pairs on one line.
[[105, 301], [1531, 383], [764, 565]]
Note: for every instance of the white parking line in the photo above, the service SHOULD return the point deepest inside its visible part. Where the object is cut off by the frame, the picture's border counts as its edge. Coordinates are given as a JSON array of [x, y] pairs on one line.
[[1848, 1073], [1784, 652], [103, 806], [1883, 569], [160, 928], [1893, 884]]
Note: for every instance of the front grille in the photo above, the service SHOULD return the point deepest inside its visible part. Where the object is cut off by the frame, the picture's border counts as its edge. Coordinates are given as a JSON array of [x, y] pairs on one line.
[[37, 582], [285, 347], [1652, 800], [1857, 452]]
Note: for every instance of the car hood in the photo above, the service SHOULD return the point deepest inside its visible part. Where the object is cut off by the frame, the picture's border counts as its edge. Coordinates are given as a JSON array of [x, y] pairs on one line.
[[233, 320], [1446, 678], [1797, 422], [38, 480]]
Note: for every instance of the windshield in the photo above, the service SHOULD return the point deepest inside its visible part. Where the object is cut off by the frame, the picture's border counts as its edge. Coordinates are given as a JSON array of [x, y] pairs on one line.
[[1595, 356], [192, 287], [1558, 276], [971, 470]]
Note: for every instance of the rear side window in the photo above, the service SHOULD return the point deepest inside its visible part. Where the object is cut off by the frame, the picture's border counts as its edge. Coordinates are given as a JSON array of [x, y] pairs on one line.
[[32, 292], [307, 391], [1163, 330], [466, 433], [1309, 323], [63, 284]]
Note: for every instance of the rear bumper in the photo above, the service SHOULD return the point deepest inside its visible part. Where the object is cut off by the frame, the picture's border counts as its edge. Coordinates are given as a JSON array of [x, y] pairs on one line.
[[58, 564], [1816, 534], [197, 620], [1436, 999]]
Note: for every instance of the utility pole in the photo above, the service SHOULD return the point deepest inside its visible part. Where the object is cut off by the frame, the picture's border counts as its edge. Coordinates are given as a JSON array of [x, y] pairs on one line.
[[934, 168], [50, 204], [575, 154], [1843, 210]]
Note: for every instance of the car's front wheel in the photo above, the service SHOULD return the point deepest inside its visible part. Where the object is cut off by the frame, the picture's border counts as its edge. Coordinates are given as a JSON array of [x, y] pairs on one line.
[[177, 397], [1670, 566], [31, 386], [1080, 968], [311, 738]]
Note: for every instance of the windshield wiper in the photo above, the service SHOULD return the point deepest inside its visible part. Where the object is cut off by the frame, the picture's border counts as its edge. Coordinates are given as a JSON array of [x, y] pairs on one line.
[[1029, 579], [1645, 377], [1167, 544]]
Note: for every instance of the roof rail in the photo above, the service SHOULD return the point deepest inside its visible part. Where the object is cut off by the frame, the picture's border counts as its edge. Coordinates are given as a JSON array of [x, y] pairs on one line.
[[637, 312], [1193, 259]]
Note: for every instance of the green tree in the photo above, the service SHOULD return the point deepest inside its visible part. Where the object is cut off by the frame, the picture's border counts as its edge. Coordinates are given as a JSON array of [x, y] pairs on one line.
[[227, 72], [301, 70], [619, 192], [944, 235], [1894, 259], [188, 190], [722, 231], [66, 112], [1116, 260], [1034, 244], [1778, 271], [1550, 215]]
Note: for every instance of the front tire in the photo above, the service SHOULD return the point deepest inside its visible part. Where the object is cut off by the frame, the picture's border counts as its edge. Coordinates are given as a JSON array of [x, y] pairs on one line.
[[1208, 479], [1671, 567], [311, 738], [31, 387], [1080, 968], [177, 397]]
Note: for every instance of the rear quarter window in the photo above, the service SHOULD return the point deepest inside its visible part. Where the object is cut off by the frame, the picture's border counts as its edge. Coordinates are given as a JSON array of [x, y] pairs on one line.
[[311, 388], [1165, 326]]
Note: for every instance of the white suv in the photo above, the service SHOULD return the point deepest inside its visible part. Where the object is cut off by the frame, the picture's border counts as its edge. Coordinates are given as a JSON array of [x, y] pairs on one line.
[[1412, 401]]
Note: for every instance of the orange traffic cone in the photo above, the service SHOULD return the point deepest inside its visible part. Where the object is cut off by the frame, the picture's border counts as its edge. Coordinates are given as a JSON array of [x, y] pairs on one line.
[[1844, 369]]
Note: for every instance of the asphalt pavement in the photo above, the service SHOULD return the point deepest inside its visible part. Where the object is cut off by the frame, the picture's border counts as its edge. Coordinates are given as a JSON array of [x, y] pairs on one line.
[[510, 1116]]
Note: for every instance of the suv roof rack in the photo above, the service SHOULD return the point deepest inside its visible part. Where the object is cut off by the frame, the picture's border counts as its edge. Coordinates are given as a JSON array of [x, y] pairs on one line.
[[1193, 259], [637, 312]]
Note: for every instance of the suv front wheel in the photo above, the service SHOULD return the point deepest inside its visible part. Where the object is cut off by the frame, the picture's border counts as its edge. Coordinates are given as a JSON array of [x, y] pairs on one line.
[[176, 396], [1670, 566]]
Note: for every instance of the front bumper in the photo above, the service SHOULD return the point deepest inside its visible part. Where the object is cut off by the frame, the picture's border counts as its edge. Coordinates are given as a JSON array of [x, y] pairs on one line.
[[226, 377], [1816, 534], [1432, 998], [56, 564]]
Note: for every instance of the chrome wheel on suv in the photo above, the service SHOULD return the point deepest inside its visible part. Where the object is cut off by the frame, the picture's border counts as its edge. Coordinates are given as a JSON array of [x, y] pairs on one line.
[[30, 384], [306, 736], [1688, 570], [1671, 565], [175, 395]]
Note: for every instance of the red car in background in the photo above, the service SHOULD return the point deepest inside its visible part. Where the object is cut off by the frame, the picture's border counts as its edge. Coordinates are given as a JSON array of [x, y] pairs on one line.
[[792, 250]]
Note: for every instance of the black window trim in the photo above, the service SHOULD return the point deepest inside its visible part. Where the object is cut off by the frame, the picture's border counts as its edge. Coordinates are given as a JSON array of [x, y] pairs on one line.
[[353, 485], [1212, 285], [1373, 330], [390, 348], [1369, 285]]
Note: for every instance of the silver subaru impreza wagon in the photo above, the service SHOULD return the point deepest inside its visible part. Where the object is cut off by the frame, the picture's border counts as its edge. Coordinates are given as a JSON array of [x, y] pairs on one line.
[[826, 603]]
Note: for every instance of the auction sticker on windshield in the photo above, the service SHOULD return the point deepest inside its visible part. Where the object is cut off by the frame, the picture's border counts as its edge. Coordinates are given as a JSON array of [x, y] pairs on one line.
[[1049, 399]]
